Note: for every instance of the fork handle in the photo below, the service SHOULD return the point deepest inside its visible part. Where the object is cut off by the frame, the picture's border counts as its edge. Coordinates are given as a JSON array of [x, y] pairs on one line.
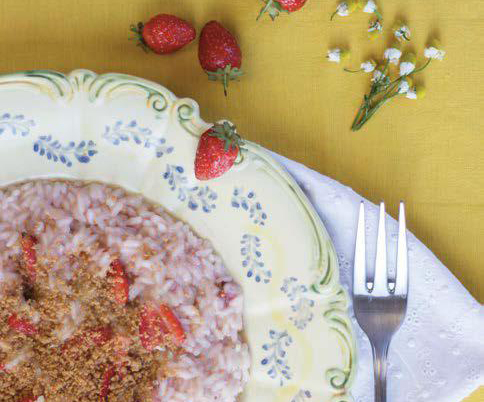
[[380, 351]]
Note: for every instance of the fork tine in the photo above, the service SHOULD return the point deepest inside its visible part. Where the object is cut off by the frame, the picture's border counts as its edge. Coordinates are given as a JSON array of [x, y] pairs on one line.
[[401, 281], [359, 270], [380, 281]]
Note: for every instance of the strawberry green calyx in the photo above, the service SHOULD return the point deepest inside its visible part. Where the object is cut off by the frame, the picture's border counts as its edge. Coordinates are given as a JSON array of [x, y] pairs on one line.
[[273, 8], [228, 134], [225, 75], [138, 30]]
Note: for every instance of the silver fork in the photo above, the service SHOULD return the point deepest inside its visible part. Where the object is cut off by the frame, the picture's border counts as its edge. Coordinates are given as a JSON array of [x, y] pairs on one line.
[[380, 304]]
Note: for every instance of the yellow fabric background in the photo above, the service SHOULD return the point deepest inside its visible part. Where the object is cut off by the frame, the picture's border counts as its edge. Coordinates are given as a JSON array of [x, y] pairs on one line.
[[429, 152]]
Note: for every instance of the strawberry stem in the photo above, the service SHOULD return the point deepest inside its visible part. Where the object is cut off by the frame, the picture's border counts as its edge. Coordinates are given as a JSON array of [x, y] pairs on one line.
[[264, 9], [225, 75], [138, 30], [273, 8], [228, 134]]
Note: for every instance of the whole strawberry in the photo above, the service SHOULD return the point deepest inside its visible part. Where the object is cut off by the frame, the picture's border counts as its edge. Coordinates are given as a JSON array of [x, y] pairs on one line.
[[217, 151], [275, 7], [164, 33], [219, 54]]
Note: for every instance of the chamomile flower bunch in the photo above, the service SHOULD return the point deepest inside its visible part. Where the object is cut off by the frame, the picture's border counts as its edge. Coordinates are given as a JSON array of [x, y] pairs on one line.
[[384, 87]]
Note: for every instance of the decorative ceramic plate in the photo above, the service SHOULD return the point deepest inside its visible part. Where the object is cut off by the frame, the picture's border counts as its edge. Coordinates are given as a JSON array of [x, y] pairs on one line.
[[136, 134]]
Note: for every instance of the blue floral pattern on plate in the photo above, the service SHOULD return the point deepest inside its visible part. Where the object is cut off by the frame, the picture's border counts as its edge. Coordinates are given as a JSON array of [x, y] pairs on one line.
[[276, 360], [252, 258], [301, 305], [15, 124], [53, 150], [301, 396], [195, 196], [248, 202], [125, 132]]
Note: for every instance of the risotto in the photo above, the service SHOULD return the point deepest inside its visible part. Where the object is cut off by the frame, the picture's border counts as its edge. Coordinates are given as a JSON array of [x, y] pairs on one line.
[[106, 297]]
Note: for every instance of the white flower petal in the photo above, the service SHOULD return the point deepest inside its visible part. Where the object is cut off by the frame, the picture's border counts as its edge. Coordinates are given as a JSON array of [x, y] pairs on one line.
[[403, 87], [342, 9], [334, 55], [406, 67], [367, 66], [370, 7], [411, 94], [434, 53], [393, 55]]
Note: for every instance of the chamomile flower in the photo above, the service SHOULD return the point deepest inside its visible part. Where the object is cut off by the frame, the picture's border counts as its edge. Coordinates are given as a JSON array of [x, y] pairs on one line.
[[393, 53], [407, 63], [368, 66], [370, 7], [345, 8], [404, 85], [434, 51], [375, 29], [337, 55], [401, 31], [417, 92]]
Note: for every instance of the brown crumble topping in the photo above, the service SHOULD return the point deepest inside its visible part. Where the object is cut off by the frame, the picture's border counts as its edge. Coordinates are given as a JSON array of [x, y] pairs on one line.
[[73, 369]]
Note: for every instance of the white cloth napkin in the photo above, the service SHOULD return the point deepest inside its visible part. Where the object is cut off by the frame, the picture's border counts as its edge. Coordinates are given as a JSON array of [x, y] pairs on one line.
[[438, 353]]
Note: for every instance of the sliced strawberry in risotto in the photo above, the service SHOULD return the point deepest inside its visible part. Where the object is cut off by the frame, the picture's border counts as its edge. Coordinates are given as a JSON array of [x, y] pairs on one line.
[[172, 324], [156, 324], [29, 255], [99, 336], [152, 329], [28, 399], [120, 281], [21, 325], [106, 382]]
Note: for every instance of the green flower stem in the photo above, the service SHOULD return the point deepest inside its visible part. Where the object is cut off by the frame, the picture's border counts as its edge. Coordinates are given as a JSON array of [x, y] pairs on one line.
[[358, 115], [417, 70], [394, 85], [370, 112], [352, 71], [333, 15], [385, 69]]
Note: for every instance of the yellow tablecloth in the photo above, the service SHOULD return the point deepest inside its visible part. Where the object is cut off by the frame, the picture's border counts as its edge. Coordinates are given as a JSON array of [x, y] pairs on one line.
[[429, 153]]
